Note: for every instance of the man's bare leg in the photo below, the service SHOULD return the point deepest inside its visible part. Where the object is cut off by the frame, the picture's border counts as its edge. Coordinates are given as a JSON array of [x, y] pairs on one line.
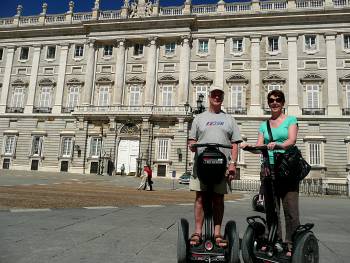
[[198, 216]]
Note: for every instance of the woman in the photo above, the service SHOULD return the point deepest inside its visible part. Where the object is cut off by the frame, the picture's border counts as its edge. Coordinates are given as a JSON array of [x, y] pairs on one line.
[[284, 133]]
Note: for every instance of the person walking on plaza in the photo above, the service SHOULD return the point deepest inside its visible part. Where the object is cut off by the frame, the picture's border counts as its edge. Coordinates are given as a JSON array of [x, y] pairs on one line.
[[144, 176], [213, 126], [148, 171], [122, 169], [284, 130]]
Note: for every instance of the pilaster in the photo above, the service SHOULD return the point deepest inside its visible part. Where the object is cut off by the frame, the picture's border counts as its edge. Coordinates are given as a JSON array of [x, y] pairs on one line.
[[255, 104], [61, 79], [332, 83], [151, 71], [33, 80], [7, 78], [90, 73], [293, 103], [220, 58], [184, 78], [119, 73]]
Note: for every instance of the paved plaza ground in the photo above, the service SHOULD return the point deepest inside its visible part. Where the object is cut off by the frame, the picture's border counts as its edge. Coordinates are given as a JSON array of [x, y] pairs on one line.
[[53, 217]]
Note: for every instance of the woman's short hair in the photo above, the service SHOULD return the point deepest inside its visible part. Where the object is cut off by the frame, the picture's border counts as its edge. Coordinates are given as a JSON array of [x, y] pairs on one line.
[[278, 94]]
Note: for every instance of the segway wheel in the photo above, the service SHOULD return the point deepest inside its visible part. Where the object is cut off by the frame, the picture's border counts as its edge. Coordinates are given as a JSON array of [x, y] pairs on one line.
[[182, 241], [247, 246], [306, 249], [231, 234]]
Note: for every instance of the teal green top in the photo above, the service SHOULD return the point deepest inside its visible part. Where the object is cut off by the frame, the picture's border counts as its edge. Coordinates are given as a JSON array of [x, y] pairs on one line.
[[279, 134]]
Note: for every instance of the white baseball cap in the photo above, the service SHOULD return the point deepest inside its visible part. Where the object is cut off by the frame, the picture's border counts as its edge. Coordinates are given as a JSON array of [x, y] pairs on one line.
[[212, 88]]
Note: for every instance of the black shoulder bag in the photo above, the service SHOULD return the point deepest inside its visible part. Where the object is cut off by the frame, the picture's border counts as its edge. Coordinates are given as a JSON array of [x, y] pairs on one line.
[[290, 165]]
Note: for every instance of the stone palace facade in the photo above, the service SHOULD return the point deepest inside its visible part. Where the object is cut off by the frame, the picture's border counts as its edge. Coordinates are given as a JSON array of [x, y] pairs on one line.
[[91, 92]]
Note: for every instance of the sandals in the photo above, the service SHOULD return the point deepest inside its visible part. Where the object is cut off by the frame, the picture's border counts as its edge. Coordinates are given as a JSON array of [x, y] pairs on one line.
[[220, 241], [195, 239]]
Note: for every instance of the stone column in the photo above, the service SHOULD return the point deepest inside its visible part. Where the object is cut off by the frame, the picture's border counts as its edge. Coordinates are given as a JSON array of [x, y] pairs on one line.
[[90, 73], [332, 84], [293, 103], [255, 89], [61, 79], [151, 71], [220, 57], [119, 73], [184, 77], [33, 80], [7, 78]]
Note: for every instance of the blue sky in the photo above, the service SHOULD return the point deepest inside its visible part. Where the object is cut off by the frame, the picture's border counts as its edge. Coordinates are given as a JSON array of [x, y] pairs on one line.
[[33, 7]]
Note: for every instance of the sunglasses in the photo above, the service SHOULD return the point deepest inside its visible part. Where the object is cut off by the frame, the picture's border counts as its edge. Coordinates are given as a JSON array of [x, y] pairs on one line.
[[278, 100]]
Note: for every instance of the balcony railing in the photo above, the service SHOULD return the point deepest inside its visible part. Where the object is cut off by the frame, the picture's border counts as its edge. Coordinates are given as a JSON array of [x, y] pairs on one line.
[[346, 111], [233, 110], [156, 110], [42, 109], [14, 109], [267, 111], [67, 109], [313, 111]]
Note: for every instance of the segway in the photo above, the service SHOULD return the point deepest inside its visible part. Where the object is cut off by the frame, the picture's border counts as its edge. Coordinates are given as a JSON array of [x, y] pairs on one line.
[[211, 168], [257, 247]]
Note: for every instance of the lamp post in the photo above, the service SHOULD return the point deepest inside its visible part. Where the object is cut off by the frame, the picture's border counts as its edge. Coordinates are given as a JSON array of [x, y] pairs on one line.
[[200, 107], [187, 109]]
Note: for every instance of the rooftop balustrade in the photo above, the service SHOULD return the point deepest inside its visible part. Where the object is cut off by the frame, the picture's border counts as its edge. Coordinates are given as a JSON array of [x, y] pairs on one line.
[[198, 10]]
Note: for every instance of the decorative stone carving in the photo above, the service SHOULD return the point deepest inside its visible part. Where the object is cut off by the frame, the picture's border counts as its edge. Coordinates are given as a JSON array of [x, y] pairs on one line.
[[237, 78], [140, 8]]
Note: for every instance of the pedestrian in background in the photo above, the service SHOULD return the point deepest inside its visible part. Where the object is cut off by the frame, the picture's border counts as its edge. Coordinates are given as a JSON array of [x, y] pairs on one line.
[[148, 171], [144, 178]]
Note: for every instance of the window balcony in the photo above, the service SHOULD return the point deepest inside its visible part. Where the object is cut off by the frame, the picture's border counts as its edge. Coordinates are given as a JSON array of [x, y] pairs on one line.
[[313, 111], [267, 111], [345, 111], [14, 109], [236, 110], [67, 109], [42, 109]]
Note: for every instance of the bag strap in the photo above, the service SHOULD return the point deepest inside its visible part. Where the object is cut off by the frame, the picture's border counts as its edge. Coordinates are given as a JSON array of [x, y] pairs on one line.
[[269, 130]]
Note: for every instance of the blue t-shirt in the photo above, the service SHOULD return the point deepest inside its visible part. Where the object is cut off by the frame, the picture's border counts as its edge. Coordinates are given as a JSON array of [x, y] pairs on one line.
[[279, 134]]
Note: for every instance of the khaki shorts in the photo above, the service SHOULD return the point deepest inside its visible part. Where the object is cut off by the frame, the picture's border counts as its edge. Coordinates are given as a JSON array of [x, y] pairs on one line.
[[221, 188]]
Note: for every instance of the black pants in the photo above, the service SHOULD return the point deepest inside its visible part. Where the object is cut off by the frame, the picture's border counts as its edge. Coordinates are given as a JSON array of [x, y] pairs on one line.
[[288, 193], [149, 182]]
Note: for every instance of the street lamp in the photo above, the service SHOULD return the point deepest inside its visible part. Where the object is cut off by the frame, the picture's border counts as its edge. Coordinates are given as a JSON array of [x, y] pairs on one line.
[[200, 107]]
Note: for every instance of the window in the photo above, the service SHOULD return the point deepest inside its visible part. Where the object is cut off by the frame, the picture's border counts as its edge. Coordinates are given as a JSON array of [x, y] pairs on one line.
[[170, 49], [67, 147], [10, 144], [237, 45], [45, 97], [163, 149], [103, 96], [346, 41], [138, 49], [79, 51], [108, 50], [95, 146], [1, 53], [51, 52], [202, 89], [73, 97], [167, 95], [310, 42], [24, 53], [312, 96], [272, 87], [273, 44], [135, 94], [315, 153], [236, 96], [37, 145], [203, 47], [18, 97]]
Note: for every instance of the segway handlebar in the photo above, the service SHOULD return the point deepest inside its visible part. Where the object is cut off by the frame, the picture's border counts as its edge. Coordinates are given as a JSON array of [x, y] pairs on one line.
[[199, 145], [260, 148]]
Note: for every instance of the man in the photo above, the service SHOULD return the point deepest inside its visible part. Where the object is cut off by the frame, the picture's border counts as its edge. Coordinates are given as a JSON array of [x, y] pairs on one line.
[[213, 126]]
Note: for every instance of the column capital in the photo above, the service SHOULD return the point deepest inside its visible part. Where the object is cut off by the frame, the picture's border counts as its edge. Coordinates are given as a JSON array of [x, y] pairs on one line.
[[292, 37], [91, 42], [255, 38], [64, 45], [220, 39], [330, 35], [11, 48], [152, 40], [119, 42], [186, 39], [37, 46]]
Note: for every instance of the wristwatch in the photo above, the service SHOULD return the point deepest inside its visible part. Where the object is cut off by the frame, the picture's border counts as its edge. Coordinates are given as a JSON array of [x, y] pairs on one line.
[[233, 162]]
